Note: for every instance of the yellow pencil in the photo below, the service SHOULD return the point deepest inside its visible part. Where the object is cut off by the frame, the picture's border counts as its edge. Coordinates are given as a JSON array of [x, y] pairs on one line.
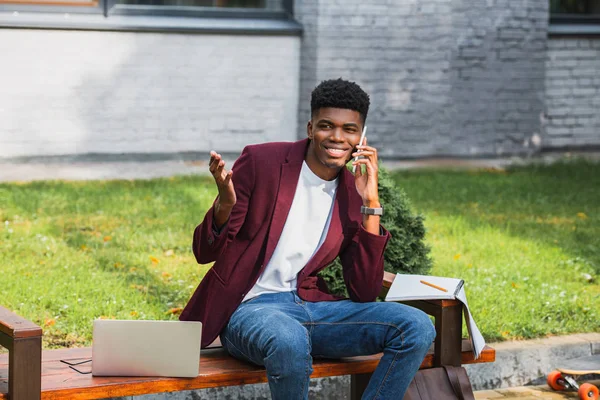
[[434, 286]]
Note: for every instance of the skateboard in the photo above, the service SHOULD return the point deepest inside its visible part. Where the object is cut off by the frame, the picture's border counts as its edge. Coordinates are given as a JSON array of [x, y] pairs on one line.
[[565, 376]]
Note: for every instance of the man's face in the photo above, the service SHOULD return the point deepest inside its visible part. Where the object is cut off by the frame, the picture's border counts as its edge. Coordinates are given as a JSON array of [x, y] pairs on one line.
[[334, 134]]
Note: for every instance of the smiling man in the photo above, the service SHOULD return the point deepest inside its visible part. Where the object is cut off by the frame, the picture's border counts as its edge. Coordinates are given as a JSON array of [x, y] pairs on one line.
[[284, 212]]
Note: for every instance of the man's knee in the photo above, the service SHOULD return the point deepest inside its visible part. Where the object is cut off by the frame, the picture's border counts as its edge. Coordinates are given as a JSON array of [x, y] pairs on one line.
[[414, 329], [419, 332]]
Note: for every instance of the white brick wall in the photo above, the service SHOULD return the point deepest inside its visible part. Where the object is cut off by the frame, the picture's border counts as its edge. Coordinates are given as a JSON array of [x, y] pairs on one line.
[[573, 92], [78, 92]]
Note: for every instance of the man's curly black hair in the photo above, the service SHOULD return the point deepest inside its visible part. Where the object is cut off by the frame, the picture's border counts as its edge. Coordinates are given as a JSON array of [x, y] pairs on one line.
[[339, 93]]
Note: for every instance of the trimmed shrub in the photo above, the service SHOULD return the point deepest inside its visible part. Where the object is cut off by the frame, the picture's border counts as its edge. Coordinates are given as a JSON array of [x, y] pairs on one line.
[[405, 252]]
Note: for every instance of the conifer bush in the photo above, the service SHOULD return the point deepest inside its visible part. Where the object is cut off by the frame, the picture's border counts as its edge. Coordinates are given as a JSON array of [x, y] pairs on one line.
[[406, 252]]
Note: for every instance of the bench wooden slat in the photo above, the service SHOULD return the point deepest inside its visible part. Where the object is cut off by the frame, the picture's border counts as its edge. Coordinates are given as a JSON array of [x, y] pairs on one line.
[[216, 369], [55, 355]]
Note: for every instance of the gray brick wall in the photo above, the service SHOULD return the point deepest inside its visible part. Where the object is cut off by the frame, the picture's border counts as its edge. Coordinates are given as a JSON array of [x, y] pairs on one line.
[[307, 13], [446, 77], [572, 92], [78, 92]]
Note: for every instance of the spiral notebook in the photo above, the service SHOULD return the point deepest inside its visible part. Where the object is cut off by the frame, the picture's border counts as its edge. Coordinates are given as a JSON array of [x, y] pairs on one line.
[[425, 287]]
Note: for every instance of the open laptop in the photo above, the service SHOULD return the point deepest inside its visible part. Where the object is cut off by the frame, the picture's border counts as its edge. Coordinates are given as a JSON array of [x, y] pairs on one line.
[[146, 348]]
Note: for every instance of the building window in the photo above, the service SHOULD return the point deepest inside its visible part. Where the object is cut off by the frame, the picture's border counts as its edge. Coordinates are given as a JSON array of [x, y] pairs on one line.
[[575, 11], [194, 3], [76, 3], [248, 17], [189, 8], [200, 8], [204, 3], [53, 6]]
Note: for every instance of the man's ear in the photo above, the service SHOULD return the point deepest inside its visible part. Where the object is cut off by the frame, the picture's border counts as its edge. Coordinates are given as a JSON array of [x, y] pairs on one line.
[[309, 130]]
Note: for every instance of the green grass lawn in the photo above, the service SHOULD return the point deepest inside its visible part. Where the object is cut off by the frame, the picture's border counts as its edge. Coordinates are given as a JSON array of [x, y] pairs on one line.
[[72, 252], [522, 240]]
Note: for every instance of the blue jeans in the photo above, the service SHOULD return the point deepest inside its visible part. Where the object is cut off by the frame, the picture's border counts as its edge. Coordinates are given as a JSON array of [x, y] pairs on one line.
[[284, 333]]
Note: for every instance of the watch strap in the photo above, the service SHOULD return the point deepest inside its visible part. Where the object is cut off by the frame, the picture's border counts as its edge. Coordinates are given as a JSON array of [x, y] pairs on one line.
[[371, 210]]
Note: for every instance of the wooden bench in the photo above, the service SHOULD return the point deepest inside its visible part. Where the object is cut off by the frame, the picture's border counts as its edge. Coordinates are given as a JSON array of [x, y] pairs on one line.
[[27, 372]]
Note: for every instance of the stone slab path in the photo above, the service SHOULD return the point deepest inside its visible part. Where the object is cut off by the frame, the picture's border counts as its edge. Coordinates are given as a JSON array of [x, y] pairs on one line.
[[527, 393]]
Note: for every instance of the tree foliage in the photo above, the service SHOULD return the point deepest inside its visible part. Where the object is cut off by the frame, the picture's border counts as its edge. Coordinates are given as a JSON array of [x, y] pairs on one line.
[[406, 252]]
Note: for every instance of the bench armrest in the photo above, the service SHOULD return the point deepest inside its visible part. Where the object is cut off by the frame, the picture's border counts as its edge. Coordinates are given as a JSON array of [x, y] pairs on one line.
[[17, 327], [388, 278], [23, 339]]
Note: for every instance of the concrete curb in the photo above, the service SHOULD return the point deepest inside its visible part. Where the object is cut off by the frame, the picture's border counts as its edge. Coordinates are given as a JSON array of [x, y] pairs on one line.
[[528, 362], [90, 168], [81, 171], [541, 392]]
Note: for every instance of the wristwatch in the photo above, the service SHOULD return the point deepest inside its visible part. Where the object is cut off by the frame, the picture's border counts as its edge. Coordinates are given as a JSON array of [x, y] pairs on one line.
[[371, 211]]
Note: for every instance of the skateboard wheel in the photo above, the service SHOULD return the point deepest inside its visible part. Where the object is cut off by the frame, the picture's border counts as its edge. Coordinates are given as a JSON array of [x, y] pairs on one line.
[[555, 381], [587, 391]]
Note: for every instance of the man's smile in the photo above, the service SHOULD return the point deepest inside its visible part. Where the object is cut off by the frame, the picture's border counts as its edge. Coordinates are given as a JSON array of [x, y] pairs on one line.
[[335, 151]]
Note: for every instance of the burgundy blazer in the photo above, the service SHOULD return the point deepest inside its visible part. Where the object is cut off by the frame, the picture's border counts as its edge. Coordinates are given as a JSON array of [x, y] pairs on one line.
[[265, 178]]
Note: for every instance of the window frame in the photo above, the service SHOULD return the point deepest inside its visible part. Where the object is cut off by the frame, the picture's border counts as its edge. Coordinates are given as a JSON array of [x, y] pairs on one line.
[[575, 19]]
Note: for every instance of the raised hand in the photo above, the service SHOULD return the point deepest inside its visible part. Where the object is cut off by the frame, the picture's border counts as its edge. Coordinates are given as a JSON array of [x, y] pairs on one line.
[[227, 197]]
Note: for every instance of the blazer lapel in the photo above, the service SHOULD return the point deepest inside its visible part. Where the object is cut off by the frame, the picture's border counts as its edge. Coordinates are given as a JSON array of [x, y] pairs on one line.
[[288, 180]]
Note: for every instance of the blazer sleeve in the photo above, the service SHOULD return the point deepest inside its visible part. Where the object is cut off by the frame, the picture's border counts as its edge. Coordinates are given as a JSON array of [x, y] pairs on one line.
[[362, 263], [208, 244]]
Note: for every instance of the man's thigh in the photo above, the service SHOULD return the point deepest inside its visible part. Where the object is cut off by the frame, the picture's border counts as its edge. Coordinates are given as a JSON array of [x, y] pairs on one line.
[[258, 325], [346, 328]]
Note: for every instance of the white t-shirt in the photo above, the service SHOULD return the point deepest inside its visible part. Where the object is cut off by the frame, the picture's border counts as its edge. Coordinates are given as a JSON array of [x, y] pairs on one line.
[[304, 231]]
